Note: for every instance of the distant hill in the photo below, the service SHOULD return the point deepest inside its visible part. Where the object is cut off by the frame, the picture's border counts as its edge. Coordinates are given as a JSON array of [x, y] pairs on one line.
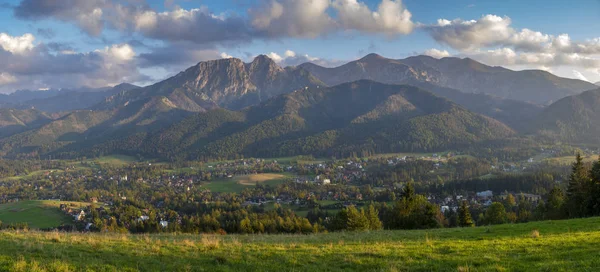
[[466, 75], [61, 100], [574, 118], [597, 83], [352, 118], [228, 83], [13, 121], [516, 114]]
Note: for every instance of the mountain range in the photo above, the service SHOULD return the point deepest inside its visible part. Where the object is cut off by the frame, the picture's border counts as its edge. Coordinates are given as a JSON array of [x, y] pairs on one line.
[[466, 75], [65, 100], [227, 108]]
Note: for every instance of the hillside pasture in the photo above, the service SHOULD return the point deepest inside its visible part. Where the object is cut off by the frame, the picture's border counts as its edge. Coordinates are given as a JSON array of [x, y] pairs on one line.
[[570, 245], [239, 183], [116, 160], [37, 214]]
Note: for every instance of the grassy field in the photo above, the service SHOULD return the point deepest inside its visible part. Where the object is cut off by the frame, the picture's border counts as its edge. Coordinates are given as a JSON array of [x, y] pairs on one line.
[[540, 246], [32, 174], [568, 160], [37, 214], [117, 160], [239, 183]]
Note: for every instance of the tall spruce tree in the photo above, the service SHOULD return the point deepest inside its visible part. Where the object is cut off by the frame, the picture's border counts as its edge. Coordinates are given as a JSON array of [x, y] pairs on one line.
[[408, 192], [373, 216], [594, 192], [464, 215], [554, 206], [577, 189]]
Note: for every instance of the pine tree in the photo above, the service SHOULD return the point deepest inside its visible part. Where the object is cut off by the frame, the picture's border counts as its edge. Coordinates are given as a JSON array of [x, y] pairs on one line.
[[594, 193], [577, 189], [408, 192], [373, 217], [464, 216], [554, 207], [356, 220]]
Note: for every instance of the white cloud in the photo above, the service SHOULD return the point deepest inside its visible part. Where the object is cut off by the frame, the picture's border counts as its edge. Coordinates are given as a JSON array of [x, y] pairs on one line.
[[464, 35], [275, 57], [224, 55], [17, 44], [25, 65], [197, 25], [579, 75], [492, 40], [6, 78], [295, 18], [264, 20], [436, 53], [289, 54], [119, 52], [88, 14], [391, 17], [291, 58]]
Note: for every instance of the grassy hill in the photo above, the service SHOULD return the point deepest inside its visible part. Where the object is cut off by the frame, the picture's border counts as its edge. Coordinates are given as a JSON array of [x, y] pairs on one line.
[[37, 214], [540, 246], [239, 183]]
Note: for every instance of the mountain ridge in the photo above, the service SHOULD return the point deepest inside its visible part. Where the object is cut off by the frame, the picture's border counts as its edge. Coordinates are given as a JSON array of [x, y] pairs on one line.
[[315, 120], [465, 74]]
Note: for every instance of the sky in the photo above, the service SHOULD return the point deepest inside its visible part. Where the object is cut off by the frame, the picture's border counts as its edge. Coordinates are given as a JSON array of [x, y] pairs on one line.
[[96, 43]]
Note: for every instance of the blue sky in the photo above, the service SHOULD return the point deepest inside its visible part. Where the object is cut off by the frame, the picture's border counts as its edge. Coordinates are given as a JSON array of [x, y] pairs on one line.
[[104, 42]]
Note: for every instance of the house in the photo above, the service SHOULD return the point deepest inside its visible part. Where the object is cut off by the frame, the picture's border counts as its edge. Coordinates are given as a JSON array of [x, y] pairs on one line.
[[164, 223], [326, 181], [143, 218], [485, 194], [94, 199], [531, 197], [79, 216]]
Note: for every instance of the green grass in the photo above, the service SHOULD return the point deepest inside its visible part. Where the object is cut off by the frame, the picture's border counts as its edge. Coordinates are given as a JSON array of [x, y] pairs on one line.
[[239, 183], [32, 175], [37, 214], [561, 246], [568, 160], [117, 160]]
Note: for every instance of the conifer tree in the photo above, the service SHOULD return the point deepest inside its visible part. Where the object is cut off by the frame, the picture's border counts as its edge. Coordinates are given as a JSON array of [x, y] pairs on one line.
[[408, 192], [373, 217], [464, 215], [577, 189]]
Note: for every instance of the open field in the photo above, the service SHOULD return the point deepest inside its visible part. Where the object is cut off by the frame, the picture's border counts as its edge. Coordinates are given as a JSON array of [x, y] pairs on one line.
[[568, 160], [37, 214], [560, 246], [239, 183], [32, 174], [117, 160]]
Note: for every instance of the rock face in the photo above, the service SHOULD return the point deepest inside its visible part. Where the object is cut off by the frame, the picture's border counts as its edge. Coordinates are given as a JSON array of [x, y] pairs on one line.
[[467, 75], [228, 83]]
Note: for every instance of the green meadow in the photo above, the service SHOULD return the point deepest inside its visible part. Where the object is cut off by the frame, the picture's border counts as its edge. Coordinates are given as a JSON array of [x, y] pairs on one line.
[[238, 183], [37, 214], [569, 245]]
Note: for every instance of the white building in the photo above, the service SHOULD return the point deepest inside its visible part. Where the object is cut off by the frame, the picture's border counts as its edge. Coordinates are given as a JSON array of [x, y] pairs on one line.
[[485, 194]]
